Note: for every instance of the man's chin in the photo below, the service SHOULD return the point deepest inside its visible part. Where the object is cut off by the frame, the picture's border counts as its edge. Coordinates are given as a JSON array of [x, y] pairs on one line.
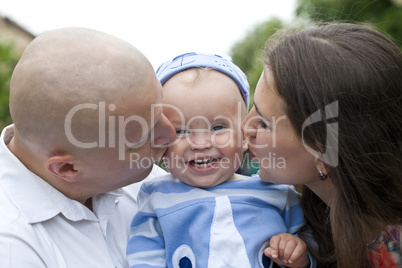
[[143, 175], [147, 173]]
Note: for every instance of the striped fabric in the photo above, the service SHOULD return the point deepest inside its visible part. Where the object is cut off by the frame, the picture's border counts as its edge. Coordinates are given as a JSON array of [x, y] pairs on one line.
[[222, 226]]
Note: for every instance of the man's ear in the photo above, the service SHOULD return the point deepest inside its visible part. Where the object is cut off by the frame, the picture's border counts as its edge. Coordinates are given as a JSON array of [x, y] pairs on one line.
[[63, 167]]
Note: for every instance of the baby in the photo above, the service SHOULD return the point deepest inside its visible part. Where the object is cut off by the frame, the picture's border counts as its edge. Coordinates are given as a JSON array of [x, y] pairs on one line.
[[202, 214]]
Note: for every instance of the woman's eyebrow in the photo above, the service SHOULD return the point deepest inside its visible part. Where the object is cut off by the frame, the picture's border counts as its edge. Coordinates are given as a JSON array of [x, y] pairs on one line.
[[259, 113]]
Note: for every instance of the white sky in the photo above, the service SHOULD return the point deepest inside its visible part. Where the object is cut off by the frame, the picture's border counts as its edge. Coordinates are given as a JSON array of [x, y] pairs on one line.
[[161, 29]]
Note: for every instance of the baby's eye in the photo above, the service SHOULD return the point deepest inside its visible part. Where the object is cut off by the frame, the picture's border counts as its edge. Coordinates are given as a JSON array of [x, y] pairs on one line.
[[181, 131], [217, 128]]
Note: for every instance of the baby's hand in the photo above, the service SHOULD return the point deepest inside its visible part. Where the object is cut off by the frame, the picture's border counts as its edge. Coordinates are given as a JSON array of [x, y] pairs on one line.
[[287, 250]]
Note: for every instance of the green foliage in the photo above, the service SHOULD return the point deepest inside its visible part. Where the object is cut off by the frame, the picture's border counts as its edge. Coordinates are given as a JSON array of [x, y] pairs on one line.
[[8, 60], [385, 15], [248, 53]]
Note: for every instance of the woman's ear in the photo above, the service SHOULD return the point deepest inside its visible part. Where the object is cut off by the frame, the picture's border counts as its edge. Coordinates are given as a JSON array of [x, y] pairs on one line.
[[63, 167], [321, 167]]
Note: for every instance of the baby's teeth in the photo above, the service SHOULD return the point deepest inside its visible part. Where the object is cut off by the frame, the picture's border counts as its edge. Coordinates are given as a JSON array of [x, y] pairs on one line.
[[201, 161]]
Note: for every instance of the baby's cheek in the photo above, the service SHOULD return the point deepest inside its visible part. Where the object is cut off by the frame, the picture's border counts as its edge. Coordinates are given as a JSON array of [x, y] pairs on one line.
[[173, 157], [226, 139]]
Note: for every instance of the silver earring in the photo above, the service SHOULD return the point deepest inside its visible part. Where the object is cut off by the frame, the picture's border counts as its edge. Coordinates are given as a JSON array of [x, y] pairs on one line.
[[321, 176]]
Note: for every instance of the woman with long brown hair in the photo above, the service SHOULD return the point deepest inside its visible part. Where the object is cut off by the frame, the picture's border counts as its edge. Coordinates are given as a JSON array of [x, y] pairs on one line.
[[329, 103]]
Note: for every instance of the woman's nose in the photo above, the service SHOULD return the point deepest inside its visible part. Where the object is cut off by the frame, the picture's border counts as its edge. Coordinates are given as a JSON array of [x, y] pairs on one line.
[[248, 126]]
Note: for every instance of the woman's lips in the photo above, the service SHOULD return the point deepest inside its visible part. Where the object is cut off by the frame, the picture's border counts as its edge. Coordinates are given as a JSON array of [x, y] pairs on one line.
[[252, 155]]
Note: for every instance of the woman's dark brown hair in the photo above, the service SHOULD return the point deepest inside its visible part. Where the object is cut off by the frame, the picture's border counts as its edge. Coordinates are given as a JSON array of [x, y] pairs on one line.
[[359, 70]]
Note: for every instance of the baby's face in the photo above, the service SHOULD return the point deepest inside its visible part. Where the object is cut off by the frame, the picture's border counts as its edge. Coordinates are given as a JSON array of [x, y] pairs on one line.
[[206, 112]]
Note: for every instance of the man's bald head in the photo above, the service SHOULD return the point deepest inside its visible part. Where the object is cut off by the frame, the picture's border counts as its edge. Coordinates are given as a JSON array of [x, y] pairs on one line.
[[63, 68]]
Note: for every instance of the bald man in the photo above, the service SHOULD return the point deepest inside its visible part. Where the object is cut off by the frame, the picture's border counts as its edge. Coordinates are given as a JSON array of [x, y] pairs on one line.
[[87, 126]]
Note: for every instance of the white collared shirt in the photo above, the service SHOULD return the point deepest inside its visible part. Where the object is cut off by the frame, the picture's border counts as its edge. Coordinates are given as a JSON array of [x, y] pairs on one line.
[[40, 227]]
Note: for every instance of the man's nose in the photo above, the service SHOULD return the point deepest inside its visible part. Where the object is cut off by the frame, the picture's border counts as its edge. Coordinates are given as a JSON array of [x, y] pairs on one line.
[[164, 132]]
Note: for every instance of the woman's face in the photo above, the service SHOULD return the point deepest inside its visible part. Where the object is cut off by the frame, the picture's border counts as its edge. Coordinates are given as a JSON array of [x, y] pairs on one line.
[[272, 140]]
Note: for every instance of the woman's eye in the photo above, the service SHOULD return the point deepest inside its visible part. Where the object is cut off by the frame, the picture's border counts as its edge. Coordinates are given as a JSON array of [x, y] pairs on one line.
[[217, 128], [261, 123]]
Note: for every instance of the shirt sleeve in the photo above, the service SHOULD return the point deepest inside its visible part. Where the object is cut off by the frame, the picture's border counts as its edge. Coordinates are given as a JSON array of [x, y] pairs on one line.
[[294, 218], [146, 245], [293, 214]]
